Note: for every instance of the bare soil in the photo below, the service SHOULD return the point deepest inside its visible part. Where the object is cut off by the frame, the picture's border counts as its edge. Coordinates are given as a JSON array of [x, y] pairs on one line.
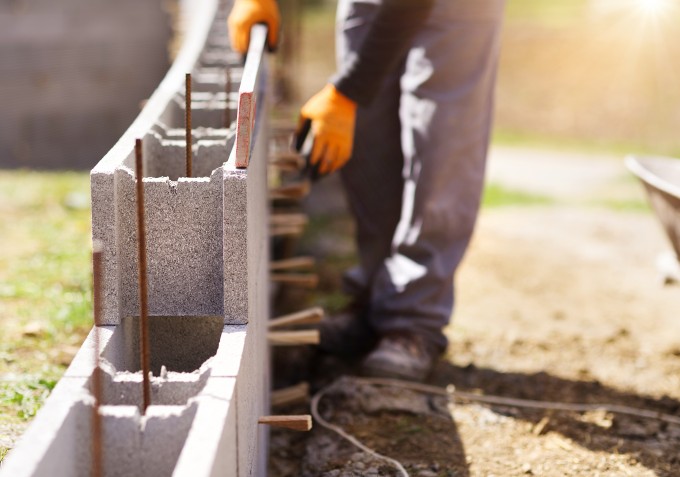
[[557, 303]]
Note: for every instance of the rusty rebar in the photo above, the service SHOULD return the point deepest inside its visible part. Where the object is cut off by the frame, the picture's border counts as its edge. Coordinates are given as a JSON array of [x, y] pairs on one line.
[[187, 122], [97, 446], [227, 90], [143, 295]]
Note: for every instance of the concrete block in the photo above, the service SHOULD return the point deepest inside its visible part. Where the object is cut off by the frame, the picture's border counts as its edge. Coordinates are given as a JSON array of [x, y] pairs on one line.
[[180, 343], [58, 433], [227, 360], [235, 248], [184, 245], [165, 431], [211, 448], [83, 362]]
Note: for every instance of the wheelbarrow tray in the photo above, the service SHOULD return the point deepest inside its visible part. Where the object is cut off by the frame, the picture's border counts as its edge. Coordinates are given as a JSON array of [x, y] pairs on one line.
[[661, 179]]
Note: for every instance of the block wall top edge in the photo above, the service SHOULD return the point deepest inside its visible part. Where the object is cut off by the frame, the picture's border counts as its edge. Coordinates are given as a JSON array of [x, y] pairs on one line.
[[83, 362], [235, 174], [196, 37], [179, 183], [230, 168]]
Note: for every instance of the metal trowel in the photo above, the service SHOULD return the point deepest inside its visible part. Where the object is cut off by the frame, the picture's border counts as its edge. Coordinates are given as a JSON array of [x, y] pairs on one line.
[[303, 141]]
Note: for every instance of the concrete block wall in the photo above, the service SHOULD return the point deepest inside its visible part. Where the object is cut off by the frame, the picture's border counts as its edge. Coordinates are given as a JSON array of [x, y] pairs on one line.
[[73, 74], [207, 248]]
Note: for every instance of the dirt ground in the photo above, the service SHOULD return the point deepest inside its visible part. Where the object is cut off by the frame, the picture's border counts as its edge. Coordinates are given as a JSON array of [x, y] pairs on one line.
[[558, 302]]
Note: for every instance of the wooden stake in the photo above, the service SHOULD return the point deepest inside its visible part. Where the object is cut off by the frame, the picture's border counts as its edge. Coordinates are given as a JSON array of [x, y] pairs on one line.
[[143, 292], [293, 338], [187, 123], [288, 161], [296, 263], [288, 220], [291, 191], [290, 395], [297, 423], [304, 280], [293, 231], [306, 317]]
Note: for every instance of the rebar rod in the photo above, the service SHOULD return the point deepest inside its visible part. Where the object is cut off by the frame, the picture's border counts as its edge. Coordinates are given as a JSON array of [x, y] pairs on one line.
[[97, 447], [143, 292], [187, 123]]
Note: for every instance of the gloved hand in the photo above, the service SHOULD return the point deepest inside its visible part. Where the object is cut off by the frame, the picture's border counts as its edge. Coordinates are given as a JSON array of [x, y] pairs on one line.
[[333, 116], [247, 13]]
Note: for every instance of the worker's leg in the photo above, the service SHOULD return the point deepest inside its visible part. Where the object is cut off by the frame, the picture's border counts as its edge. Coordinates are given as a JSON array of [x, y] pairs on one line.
[[372, 178], [373, 185], [446, 113]]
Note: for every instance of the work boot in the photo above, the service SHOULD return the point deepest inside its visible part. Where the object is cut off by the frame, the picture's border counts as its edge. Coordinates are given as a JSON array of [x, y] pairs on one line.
[[347, 335], [401, 355]]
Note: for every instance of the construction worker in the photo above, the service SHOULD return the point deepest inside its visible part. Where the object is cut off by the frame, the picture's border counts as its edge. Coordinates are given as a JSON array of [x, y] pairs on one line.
[[408, 119]]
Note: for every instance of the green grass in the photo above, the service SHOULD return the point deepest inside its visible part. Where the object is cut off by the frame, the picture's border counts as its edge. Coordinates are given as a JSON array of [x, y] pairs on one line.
[[631, 205], [45, 290], [498, 196], [516, 138], [25, 397], [552, 12]]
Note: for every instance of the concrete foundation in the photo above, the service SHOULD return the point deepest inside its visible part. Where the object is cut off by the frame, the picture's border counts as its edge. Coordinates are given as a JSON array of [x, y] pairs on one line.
[[207, 252]]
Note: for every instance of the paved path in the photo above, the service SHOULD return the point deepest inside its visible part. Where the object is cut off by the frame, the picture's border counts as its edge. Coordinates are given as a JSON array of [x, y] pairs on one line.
[[567, 176]]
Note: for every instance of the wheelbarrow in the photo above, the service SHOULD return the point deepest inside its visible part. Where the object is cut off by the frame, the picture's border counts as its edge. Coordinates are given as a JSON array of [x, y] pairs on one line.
[[661, 179]]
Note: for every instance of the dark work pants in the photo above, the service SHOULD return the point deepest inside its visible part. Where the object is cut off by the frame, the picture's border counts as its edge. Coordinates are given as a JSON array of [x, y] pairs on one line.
[[415, 177]]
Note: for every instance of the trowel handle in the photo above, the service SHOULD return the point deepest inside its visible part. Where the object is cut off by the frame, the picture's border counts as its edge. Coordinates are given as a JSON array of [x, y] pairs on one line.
[[301, 135]]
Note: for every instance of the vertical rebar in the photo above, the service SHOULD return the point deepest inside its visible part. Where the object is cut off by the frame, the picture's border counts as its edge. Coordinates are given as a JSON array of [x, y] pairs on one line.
[[143, 296], [187, 120], [97, 446], [227, 90]]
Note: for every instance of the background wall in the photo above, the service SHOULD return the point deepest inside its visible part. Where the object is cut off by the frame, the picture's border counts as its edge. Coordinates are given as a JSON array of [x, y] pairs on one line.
[[72, 75]]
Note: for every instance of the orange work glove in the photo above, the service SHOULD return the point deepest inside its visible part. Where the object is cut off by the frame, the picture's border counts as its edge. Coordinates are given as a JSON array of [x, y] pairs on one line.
[[333, 116], [247, 13]]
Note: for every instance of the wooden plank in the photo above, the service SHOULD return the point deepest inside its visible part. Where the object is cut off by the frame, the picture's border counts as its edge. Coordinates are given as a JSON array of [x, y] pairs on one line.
[[287, 161], [247, 95], [296, 219], [293, 338], [290, 395], [296, 190], [304, 317], [295, 263], [296, 423], [283, 231], [306, 280]]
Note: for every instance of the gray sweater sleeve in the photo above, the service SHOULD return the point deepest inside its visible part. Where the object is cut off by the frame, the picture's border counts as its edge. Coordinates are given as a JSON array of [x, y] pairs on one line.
[[388, 39]]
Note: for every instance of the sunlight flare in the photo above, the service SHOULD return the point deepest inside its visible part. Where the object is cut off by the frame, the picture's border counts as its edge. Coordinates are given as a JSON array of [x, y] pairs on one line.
[[653, 7]]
